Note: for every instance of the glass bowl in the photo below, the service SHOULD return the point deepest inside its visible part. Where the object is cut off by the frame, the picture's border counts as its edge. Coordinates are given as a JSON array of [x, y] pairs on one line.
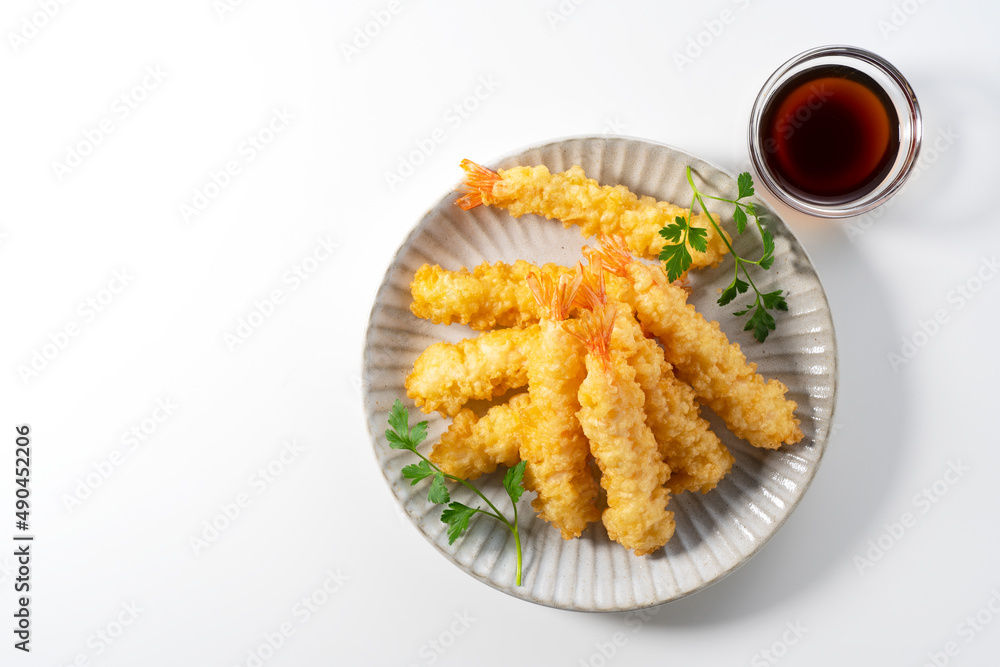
[[899, 94]]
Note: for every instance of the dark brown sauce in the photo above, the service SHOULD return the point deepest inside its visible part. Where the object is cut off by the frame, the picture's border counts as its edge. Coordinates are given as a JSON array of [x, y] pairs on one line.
[[830, 134]]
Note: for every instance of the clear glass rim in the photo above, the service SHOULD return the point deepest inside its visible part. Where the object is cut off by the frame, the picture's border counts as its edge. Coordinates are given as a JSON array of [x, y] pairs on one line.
[[910, 149]]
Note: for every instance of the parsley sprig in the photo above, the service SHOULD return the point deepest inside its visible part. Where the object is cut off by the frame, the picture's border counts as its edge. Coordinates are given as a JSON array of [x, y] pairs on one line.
[[457, 515], [677, 258]]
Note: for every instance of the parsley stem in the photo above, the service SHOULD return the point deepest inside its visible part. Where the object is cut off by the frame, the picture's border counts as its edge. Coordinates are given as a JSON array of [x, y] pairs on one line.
[[517, 543], [495, 512], [704, 208]]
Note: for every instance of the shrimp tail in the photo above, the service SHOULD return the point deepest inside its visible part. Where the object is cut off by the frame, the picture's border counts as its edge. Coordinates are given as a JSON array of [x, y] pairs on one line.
[[556, 297], [614, 254], [479, 181], [595, 331]]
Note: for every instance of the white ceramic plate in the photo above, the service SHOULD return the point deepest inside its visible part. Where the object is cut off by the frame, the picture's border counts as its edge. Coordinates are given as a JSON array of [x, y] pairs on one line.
[[716, 532]]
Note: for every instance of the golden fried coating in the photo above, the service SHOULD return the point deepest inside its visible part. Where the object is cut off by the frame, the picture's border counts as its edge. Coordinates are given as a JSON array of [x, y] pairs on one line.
[[717, 370], [697, 458], [447, 375], [632, 472], [488, 296], [574, 199], [473, 446], [552, 442]]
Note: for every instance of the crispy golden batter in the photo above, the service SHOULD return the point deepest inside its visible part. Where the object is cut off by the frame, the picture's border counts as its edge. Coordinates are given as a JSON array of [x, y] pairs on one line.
[[474, 446], [447, 375], [552, 442], [717, 370], [697, 458], [632, 472], [488, 296], [574, 199]]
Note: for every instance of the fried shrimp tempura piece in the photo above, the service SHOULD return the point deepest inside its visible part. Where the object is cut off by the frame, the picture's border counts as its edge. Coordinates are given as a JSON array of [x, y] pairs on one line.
[[632, 472], [447, 375], [574, 199], [753, 409], [473, 446], [697, 458], [491, 295], [488, 296], [552, 443]]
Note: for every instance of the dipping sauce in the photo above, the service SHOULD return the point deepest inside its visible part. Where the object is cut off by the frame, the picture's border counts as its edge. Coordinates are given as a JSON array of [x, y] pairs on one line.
[[830, 134]]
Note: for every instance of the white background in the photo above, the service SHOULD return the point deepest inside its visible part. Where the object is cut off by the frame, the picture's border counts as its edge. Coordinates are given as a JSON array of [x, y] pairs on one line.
[[122, 539]]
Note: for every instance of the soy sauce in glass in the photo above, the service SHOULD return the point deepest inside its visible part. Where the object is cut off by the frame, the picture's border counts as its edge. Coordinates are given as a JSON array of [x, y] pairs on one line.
[[830, 134]]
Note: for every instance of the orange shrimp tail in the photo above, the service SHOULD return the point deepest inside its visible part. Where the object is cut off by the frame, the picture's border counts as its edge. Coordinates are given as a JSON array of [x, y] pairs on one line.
[[595, 331], [557, 298], [479, 181], [614, 254], [593, 290]]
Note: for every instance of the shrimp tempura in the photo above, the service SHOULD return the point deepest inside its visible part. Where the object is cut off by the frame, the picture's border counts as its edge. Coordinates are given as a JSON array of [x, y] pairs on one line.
[[632, 472], [488, 296], [552, 443], [702, 356], [574, 199], [697, 458], [447, 375], [474, 446], [491, 295]]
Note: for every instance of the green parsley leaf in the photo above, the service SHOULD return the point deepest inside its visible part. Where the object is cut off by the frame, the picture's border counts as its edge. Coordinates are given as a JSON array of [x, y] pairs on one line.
[[774, 300], [676, 260], [761, 323], [740, 218], [399, 418], [418, 471], [736, 287], [698, 238], [673, 232], [438, 492], [457, 517], [513, 481], [418, 433], [745, 185], [397, 441]]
